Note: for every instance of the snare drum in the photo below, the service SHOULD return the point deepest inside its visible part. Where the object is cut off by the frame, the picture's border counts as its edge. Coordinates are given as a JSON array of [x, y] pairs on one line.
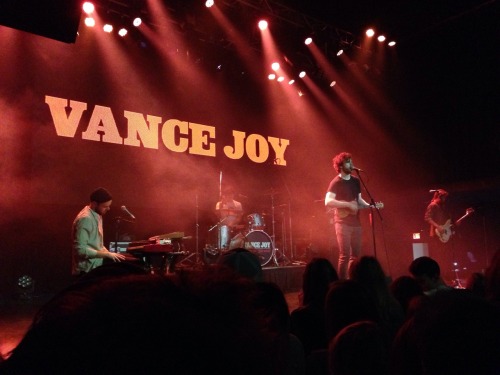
[[259, 243], [255, 222]]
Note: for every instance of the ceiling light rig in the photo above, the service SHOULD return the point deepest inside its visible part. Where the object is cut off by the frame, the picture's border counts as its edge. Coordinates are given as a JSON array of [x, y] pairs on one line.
[[370, 33], [122, 17], [113, 19]]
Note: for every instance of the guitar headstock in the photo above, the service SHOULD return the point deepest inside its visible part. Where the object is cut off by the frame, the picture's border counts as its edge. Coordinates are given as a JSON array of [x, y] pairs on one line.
[[377, 205]]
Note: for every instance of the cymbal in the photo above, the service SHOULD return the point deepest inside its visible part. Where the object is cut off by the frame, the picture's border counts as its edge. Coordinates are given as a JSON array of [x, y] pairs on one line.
[[167, 236]]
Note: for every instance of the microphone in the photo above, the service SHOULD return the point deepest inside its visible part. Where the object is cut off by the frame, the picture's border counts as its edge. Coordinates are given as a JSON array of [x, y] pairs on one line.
[[124, 209], [357, 169], [433, 190]]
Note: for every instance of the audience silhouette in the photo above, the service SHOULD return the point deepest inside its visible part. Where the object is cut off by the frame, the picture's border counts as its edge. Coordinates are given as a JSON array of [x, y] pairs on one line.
[[453, 333], [119, 319], [368, 272], [189, 323], [308, 320], [361, 348]]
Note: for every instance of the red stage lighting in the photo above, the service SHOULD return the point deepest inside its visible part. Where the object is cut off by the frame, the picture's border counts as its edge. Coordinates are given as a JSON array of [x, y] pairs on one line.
[[88, 7], [263, 24], [137, 21], [89, 22]]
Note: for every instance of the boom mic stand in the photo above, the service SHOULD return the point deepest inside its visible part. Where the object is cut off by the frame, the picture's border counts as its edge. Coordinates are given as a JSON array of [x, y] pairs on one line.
[[372, 221], [118, 221]]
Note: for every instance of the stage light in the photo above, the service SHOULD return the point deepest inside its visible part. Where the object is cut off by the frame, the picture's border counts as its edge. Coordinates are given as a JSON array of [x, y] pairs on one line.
[[302, 74], [89, 22], [137, 21], [88, 7], [291, 82], [26, 286], [333, 83], [107, 28], [300, 93], [122, 31], [416, 236], [308, 41], [381, 38], [340, 52], [281, 79], [275, 66], [209, 3], [263, 24], [271, 76], [392, 43], [370, 33]]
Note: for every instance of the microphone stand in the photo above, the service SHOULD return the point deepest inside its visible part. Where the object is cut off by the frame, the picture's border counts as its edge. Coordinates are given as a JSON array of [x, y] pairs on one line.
[[117, 232], [372, 221]]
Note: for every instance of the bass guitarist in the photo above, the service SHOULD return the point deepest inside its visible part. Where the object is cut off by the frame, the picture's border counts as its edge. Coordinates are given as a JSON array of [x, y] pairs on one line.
[[344, 197]]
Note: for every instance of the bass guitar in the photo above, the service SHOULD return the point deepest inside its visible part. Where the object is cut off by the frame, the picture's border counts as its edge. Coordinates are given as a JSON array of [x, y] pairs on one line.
[[447, 232]]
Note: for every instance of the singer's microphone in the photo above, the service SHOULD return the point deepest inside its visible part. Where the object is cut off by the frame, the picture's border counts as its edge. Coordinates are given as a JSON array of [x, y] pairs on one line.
[[357, 169], [124, 209]]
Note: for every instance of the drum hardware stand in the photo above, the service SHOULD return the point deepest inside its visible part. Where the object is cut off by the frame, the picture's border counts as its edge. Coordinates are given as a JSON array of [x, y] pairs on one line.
[[197, 261], [456, 283], [286, 260], [273, 237]]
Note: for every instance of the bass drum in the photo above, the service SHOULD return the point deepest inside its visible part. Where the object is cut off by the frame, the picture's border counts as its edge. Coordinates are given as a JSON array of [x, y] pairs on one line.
[[260, 244]]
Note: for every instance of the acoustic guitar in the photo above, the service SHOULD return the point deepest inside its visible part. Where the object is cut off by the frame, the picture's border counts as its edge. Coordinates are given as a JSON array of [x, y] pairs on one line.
[[446, 234]]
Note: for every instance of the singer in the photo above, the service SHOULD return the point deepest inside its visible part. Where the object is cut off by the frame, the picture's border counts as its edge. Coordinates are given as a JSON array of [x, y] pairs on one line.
[[88, 237], [344, 199]]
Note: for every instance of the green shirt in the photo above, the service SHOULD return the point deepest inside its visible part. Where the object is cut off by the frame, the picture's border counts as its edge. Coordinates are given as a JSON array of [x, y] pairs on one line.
[[87, 238]]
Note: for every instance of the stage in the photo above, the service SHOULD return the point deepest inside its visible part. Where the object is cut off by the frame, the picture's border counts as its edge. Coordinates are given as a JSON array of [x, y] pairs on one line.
[[288, 278]]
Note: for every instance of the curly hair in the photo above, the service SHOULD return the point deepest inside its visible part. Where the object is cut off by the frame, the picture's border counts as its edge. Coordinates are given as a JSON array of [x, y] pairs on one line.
[[340, 159]]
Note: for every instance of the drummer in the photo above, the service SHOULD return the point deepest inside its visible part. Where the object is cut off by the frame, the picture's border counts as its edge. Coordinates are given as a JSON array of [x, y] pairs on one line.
[[229, 212]]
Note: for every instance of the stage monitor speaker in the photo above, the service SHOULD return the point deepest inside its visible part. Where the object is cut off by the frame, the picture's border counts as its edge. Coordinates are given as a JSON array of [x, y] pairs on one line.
[[53, 19]]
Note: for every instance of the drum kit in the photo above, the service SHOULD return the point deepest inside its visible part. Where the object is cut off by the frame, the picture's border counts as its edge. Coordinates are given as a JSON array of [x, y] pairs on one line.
[[251, 237]]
